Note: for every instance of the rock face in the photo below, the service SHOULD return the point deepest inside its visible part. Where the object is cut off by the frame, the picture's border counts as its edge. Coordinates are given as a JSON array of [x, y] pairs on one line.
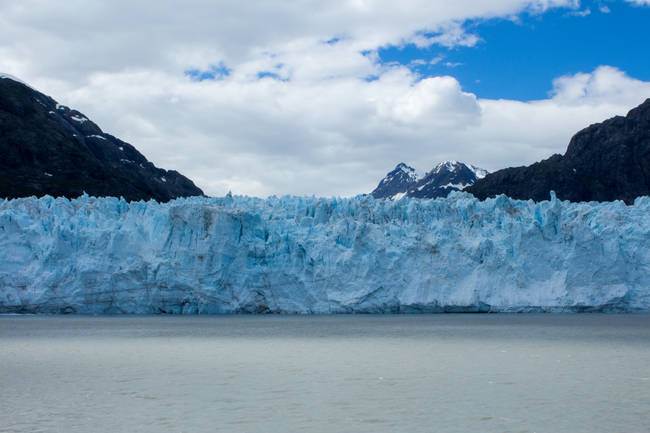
[[439, 182], [396, 183], [48, 148], [310, 255], [604, 162]]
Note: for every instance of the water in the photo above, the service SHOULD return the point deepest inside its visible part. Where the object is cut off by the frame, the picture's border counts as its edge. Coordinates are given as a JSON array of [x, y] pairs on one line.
[[420, 373]]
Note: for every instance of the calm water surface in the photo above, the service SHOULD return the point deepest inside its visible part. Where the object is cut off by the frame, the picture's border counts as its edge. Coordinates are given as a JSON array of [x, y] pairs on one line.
[[420, 373]]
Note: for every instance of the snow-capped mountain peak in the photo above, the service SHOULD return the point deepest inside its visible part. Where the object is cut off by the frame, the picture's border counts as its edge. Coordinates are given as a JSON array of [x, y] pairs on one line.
[[445, 177], [396, 182], [407, 170], [449, 165]]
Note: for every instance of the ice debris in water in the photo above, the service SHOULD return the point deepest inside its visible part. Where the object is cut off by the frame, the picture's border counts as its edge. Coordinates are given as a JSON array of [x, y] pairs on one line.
[[317, 255]]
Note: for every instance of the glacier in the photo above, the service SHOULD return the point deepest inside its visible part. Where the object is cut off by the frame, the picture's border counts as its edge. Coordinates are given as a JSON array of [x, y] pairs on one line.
[[322, 255]]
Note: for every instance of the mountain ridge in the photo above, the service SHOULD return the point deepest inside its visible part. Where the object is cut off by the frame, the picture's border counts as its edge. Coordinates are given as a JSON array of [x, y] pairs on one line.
[[605, 161], [50, 149]]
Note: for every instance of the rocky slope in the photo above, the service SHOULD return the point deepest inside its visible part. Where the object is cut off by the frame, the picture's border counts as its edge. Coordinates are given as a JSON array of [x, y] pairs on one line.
[[444, 178], [396, 183], [606, 161], [48, 148]]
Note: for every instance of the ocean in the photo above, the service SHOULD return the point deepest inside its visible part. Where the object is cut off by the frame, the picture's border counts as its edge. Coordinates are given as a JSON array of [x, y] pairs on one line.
[[343, 373]]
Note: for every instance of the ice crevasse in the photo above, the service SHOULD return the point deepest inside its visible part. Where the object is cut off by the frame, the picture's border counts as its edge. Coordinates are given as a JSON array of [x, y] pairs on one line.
[[322, 255]]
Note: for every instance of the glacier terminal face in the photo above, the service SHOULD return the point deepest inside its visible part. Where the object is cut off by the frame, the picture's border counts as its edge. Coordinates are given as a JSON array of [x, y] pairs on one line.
[[315, 255]]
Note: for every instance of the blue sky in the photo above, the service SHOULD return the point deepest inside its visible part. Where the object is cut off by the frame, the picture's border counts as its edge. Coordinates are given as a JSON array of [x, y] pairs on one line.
[[519, 58]]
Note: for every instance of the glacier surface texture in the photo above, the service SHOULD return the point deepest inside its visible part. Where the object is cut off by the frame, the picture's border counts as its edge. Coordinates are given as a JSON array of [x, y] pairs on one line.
[[314, 255]]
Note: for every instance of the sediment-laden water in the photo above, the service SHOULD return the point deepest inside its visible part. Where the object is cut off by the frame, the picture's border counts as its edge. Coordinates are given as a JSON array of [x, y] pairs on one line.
[[414, 373]]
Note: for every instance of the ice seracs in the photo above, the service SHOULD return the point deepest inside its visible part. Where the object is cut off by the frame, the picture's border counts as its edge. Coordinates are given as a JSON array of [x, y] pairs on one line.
[[313, 255]]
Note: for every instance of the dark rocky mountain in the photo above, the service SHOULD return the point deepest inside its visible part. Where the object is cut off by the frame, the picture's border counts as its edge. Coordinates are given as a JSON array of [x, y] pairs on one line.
[[48, 148], [396, 182], [439, 182], [603, 162]]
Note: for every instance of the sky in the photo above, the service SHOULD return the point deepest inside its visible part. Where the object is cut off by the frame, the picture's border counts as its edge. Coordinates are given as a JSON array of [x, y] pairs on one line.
[[324, 98]]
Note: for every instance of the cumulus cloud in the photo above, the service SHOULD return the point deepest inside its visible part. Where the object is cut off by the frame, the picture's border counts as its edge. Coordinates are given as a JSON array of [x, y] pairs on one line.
[[520, 133], [604, 85], [276, 98], [340, 136], [77, 38]]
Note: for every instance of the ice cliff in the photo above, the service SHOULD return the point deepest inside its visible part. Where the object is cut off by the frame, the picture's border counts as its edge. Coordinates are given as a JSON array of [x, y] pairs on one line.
[[314, 255]]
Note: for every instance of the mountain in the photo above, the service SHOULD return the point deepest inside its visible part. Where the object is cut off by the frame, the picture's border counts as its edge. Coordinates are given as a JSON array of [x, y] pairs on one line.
[[396, 182], [603, 162], [444, 178], [48, 148]]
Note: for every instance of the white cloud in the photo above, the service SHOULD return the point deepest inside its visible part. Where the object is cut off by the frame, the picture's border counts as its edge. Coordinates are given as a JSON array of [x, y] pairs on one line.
[[605, 9], [580, 13], [520, 133], [72, 39], [340, 136], [639, 2], [320, 125], [605, 85], [450, 35]]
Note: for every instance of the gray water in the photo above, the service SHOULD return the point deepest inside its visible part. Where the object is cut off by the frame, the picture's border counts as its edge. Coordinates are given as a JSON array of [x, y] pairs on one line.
[[421, 373]]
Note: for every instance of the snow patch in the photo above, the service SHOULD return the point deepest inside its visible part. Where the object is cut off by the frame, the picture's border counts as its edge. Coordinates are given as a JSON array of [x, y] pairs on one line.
[[480, 173], [96, 136], [455, 185], [409, 171], [79, 119], [448, 165]]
